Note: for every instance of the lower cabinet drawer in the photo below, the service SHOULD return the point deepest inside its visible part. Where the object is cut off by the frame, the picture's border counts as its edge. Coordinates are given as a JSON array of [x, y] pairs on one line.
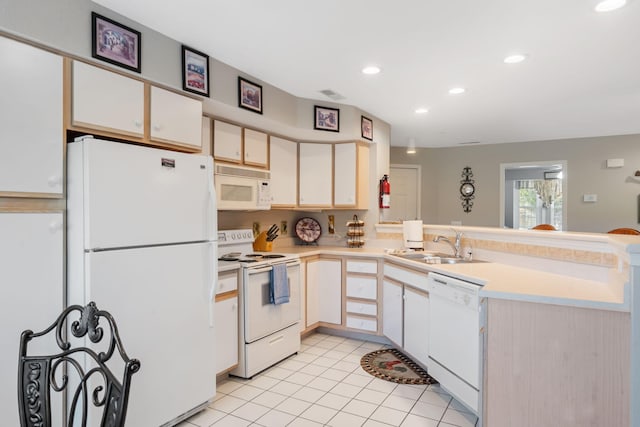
[[267, 351], [360, 323], [362, 308], [362, 287]]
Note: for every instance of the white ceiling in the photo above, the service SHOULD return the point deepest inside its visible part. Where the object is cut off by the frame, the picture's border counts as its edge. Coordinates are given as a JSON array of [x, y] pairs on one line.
[[581, 78]]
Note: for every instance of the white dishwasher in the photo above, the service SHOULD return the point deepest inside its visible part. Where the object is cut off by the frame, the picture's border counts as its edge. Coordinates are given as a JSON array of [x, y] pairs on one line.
[[454, 334]]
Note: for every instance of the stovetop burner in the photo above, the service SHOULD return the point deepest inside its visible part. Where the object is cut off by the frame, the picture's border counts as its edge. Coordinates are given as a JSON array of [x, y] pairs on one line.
[[248, 260], [254, 255], [272, 256], [225, 258]]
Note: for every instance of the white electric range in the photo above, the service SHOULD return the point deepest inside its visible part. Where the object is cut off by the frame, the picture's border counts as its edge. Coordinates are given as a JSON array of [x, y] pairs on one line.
[[268, 333]]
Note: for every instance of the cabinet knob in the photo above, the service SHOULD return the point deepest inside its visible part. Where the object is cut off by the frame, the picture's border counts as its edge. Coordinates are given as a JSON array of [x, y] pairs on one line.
[[238, 153], [55, 225], [233, 307], [137, 123], [157, 127], [54, 180]]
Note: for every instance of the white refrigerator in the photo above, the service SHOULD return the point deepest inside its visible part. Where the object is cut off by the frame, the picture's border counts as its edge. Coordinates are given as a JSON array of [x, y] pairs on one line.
[[141, 243]]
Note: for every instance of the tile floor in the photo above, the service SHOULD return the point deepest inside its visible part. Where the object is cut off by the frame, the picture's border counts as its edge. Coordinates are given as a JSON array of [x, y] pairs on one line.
[[324, 385]]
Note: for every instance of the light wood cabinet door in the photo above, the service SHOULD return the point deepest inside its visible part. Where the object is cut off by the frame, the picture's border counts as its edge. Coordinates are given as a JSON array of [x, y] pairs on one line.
[[255, 150], [392, 311], [416, 321], [283, 161], [226, 321], [107, 101], [324, 291], [227, 142], [316, 176], [176, 119], [31, 136]]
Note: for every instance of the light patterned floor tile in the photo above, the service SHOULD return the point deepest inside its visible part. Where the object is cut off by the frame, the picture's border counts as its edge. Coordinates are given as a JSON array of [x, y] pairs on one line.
[[227, 387], [309, 394], [458, 418], [314, 370], [458, 406], [232, 421], [293, 406], [250, 411], [371, 396], [324, 361], [335, 354], [334, 374], [381, 385], [293, 365], [246, 392], [352, 357], [269, 399], [301, 422], [416, 421], [333, 401], [389, 416], [343, 365], [275, 418], [320, 414], [346, 390], [286, 388], [278, 373], [409, 391], [304, 357], [360, 408], [315, 350], [428, 410], [206, 417], [358, 380], [327, 345], [437, 399], [264, 382], [322, 384], [227, 404], [374, 423], [300, 378], [343, 419], [400, 403]]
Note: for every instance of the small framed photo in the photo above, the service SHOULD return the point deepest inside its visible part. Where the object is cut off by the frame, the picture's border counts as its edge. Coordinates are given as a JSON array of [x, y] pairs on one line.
[[195, 71], [367, 128], [327, 119], [115, 43], [249, 95]]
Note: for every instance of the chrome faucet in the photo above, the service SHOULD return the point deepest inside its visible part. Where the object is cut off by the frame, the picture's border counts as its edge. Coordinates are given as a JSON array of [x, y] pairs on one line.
[[455, 246]]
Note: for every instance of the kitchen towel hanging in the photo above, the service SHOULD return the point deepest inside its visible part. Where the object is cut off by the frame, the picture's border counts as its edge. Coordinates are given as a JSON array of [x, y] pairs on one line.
[[412, 234], [279, 284]]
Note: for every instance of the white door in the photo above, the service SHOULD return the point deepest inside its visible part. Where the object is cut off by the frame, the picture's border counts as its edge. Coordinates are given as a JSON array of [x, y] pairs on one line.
[[107, 101], [405, 192], [283, 160], [416, 321], [163, 304], [176, 118], [138, 196], [31, 145], [392, 311], [31, 294]]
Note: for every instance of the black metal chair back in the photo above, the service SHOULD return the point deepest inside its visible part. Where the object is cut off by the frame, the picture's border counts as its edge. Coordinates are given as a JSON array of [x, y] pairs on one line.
[[80, 371]]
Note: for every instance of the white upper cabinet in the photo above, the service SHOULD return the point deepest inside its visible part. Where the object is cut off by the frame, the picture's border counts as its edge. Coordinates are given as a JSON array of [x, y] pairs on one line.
[[283, 159], [316, 175], [107, 101], [176, 119], [255, 148], [227, 142], [351, 170], [31, 135]]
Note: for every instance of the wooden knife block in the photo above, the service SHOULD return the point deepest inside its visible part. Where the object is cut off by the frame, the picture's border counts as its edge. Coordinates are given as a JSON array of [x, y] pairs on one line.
[[260, 244]]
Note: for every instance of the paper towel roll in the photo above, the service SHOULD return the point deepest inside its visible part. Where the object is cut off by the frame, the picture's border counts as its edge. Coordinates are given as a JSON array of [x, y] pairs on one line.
[[412, 234]]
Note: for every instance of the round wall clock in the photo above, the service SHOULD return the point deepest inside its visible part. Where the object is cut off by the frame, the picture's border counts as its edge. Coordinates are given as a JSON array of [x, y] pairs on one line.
[[308, 229], [467, 189]]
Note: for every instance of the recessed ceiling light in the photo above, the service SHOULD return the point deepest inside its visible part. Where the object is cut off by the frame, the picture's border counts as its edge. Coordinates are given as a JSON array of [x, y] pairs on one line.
[[514, 59], [609, 5], [456, 90], [422, 110], [371, 70]]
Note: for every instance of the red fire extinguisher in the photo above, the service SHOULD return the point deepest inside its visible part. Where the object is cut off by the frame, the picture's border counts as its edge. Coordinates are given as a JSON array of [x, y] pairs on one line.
[[385, 192]]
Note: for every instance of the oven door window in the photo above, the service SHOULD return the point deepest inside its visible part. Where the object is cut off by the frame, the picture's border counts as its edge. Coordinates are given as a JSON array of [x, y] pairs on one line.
[[262, 318]]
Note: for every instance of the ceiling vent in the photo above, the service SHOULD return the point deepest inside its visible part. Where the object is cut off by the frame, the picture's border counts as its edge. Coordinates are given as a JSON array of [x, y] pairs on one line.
[[333, 95]]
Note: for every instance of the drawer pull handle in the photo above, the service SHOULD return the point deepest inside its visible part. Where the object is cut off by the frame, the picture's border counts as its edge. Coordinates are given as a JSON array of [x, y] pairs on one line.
[[277, 339]]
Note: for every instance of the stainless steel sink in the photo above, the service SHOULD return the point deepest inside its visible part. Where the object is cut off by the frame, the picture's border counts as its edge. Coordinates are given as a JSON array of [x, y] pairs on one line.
[[434, 258]]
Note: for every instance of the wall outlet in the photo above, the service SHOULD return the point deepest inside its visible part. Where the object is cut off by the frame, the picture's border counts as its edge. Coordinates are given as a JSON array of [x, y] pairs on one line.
[[590, 198], [256, 228], [283, 228]]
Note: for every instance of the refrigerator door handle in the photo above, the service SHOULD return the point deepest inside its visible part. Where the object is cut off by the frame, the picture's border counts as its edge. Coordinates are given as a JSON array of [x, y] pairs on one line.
[[212, 217], [212, 280]]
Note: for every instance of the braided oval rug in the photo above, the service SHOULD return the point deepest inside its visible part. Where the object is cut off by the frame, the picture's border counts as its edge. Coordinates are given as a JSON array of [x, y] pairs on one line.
[[392, 365]]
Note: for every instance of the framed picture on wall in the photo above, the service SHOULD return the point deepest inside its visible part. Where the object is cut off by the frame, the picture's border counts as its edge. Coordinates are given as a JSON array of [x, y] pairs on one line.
[[327, 119], [115, 43], [195, 71], [249, 95], [367, 128]]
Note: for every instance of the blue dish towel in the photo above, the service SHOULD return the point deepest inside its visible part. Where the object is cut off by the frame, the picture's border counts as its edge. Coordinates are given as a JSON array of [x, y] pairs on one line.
[[279, 285]]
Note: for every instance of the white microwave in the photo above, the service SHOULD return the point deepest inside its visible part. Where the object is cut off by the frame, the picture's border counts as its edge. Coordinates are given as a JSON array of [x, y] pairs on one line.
[[239, 188]]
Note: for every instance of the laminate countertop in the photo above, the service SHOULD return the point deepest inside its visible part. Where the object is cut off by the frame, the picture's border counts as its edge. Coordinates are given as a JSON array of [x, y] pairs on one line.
[[504, 281]]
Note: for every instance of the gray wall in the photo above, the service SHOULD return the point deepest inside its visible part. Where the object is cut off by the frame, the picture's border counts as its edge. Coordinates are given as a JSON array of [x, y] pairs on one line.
[[586, 173]]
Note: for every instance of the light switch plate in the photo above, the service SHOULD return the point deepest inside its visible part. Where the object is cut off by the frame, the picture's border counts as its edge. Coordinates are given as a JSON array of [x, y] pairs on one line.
[[590, 198], [615, 163]]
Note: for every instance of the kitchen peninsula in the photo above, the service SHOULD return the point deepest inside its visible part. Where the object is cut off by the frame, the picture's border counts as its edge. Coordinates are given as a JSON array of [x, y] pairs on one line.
[[556, 316]]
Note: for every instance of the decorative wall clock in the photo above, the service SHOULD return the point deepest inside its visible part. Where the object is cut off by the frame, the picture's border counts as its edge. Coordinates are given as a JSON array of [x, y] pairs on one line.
[[467, 189], [308, 230]]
